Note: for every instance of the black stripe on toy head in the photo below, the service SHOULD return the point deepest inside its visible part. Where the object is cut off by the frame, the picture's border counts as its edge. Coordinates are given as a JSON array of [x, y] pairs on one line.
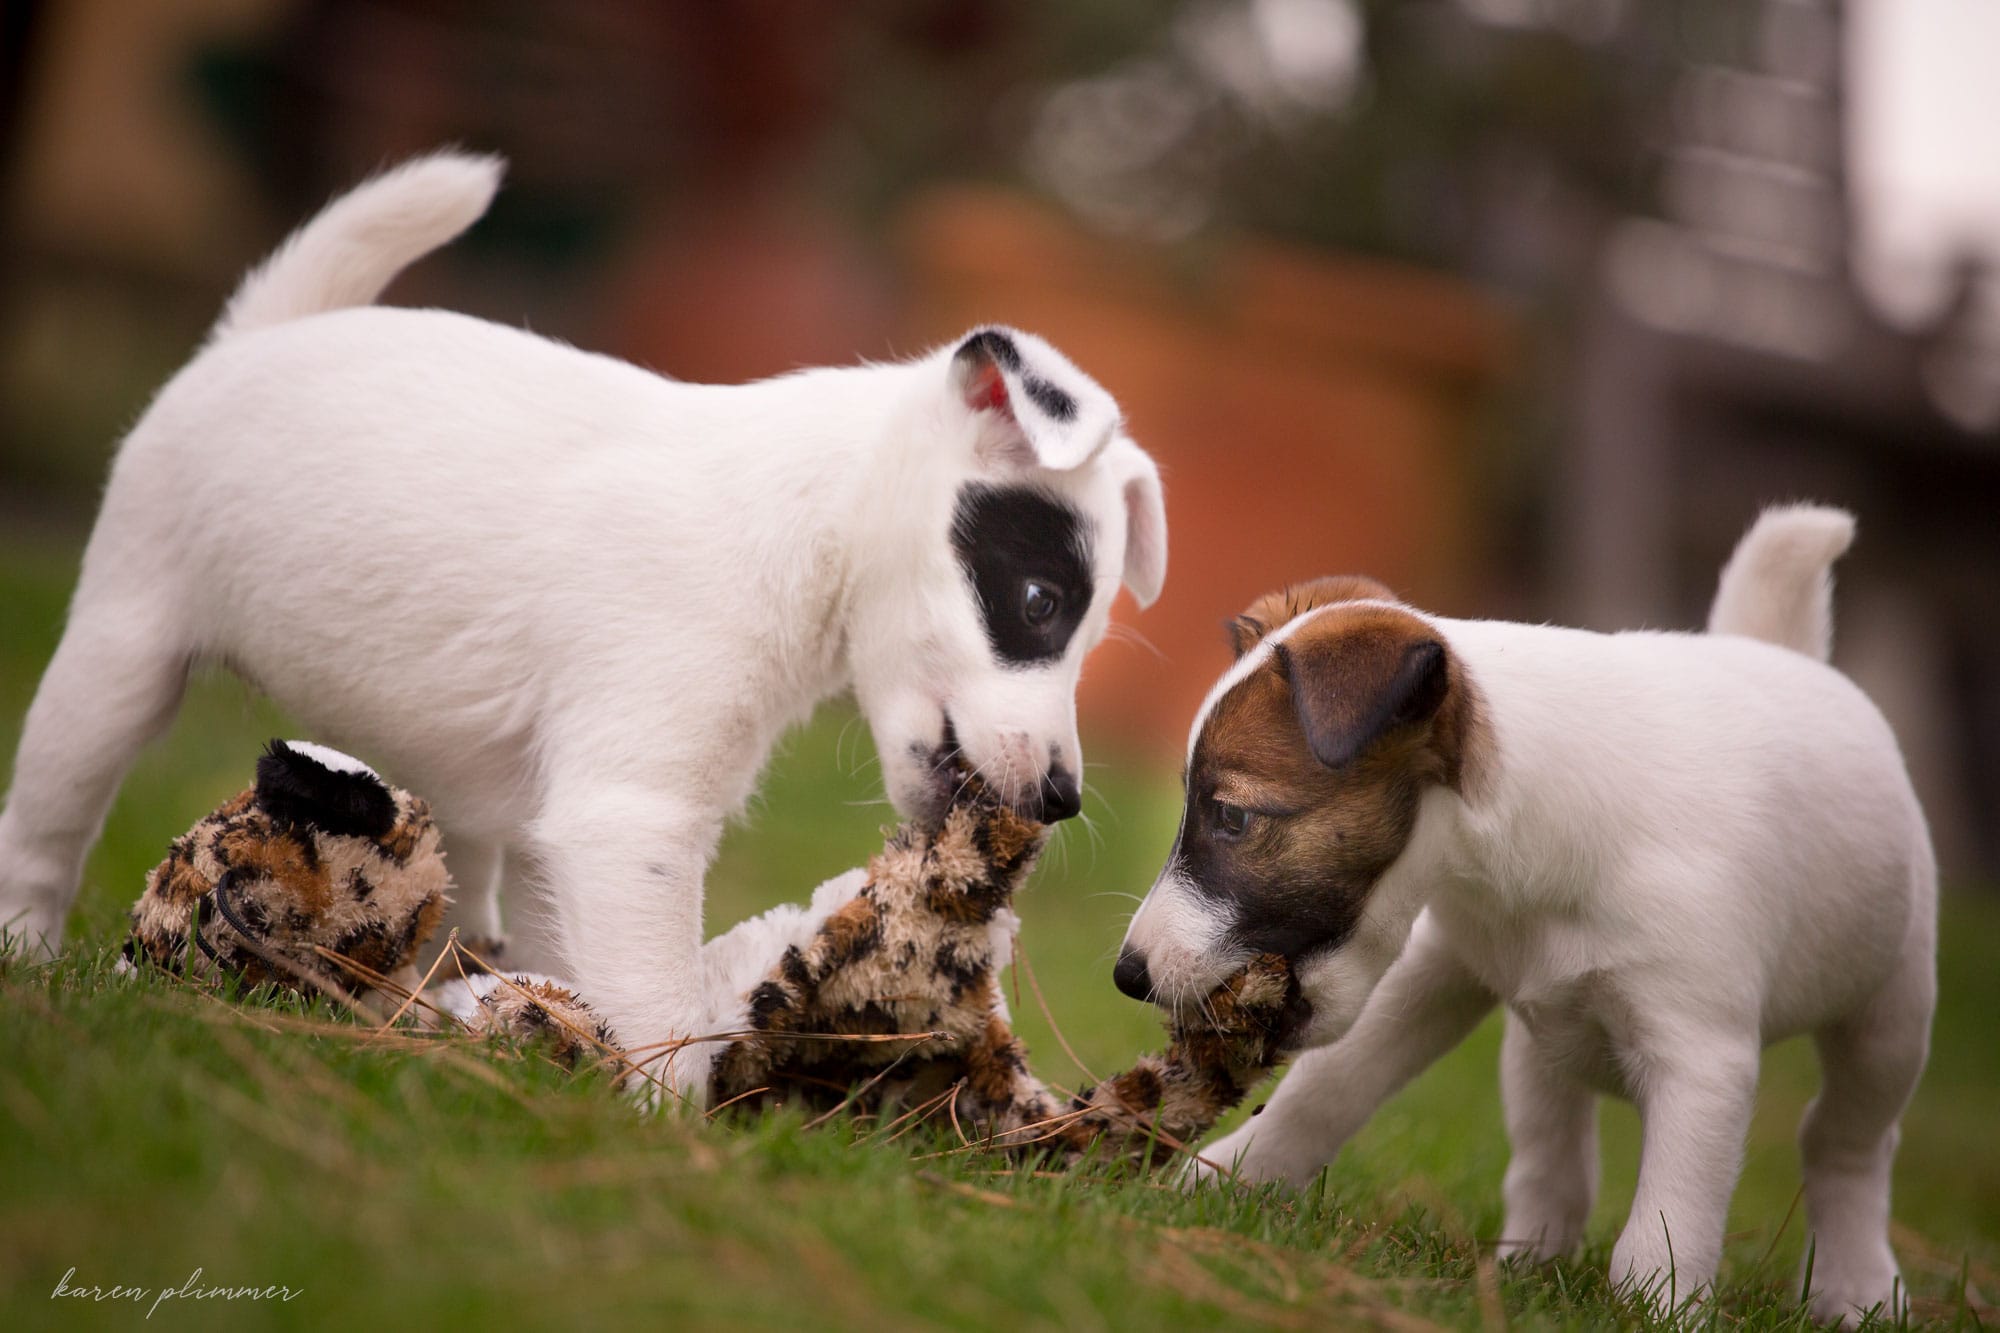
[[296, 789]]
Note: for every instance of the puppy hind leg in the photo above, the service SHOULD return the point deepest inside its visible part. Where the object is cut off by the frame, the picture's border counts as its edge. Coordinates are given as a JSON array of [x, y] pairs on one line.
[[534, 940], [474, 913], [1551, 1179], [113, 685], [494, 898], [1869, 1066]]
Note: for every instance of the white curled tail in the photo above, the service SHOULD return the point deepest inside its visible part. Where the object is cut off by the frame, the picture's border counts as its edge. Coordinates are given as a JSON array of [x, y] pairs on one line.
[[1778, 585], [349, 252]]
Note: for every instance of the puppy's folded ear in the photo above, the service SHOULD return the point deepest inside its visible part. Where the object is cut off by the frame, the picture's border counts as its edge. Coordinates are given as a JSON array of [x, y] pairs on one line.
[[1361, 677], [1246, 632], [1145, 520], [1056, 416]]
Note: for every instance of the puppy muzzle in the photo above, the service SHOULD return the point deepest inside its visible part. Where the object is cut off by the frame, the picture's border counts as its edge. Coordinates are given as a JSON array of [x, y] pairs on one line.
[[1053, 795]]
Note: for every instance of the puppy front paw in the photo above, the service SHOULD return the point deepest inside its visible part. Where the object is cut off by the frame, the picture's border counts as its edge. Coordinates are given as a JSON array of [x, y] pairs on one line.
[[681, 1085], [1644, 1272], [1527, 1247], [1214, 1162], [1256, 1154], [29, 932], [1538, 1234], [1843, 1291]]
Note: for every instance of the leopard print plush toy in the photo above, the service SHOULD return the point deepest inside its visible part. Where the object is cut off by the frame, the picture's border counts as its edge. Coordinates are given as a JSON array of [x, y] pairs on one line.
[[319, 854], [881, 995], [916, 944]]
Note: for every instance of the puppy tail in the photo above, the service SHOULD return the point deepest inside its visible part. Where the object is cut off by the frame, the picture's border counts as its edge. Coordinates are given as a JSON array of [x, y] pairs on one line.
[[1778, 586], [349, 252]]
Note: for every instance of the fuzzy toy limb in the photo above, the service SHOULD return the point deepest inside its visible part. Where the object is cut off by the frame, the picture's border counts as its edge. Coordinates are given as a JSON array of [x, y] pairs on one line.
[[545, 1013]]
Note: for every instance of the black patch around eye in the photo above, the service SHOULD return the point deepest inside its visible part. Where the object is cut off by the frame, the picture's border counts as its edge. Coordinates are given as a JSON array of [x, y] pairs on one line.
[[1276, 897], [1292, 919], [1007, 536], [1231, 821]]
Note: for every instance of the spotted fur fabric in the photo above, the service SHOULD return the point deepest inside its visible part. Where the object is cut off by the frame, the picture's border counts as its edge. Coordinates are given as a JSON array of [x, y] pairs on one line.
[[882, 995], [1213, 1059], [918, 949], [540, 1012], [320, 852]]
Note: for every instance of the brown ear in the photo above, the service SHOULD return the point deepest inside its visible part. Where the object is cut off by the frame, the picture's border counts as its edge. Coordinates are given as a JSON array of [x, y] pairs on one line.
[[1355, 681], [1274, 609], [1245, 632]]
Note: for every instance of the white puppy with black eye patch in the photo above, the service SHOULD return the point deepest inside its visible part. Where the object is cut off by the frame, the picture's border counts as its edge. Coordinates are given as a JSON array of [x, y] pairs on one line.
[[1660, 851], [574, 603]]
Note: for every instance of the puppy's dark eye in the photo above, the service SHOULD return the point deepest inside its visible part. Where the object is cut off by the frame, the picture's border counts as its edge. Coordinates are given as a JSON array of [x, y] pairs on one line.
[[1039, 602], [1232, 821]]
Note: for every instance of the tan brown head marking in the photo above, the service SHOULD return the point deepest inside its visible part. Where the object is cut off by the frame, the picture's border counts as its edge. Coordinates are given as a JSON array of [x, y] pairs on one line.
[[1288, 603], [1304, 783]]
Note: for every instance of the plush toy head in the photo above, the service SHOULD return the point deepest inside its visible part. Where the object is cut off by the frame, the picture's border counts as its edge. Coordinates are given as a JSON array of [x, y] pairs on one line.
[[320, 852]]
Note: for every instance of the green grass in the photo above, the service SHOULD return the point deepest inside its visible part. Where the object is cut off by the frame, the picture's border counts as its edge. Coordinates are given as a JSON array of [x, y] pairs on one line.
[[146, 1131]]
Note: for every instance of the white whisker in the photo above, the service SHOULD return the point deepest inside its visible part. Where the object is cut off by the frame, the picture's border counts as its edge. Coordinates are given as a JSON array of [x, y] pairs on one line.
[[1097, 839], [1111, 811], [1123, 633]]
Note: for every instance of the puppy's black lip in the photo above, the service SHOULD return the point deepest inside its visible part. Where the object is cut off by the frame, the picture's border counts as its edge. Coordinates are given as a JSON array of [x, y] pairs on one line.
[[944, 774], [1296, 1015]]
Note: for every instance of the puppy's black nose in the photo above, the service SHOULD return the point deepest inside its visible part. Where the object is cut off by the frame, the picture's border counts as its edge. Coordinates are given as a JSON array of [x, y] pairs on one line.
[[1061, 798], [1130, 974]]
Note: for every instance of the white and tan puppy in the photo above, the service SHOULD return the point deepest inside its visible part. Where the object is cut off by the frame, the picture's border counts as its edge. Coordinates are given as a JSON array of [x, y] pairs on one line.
[[573, 602], [1660, 851]]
